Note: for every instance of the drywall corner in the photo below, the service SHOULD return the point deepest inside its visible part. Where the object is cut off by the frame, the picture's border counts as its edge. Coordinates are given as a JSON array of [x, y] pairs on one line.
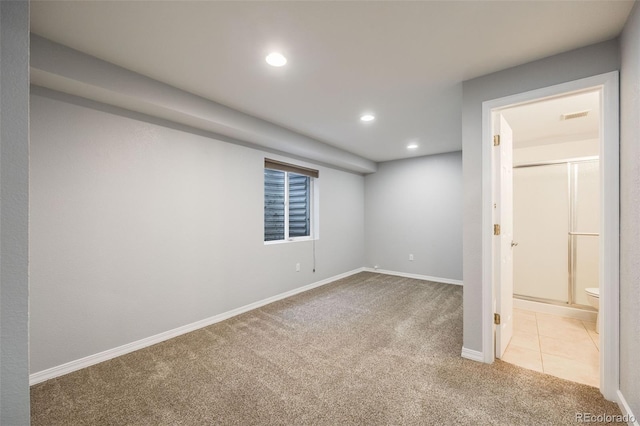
[[629, 211], [14, 212]]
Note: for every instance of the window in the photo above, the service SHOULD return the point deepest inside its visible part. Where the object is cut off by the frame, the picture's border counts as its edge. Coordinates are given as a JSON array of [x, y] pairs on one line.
[[288, 201]]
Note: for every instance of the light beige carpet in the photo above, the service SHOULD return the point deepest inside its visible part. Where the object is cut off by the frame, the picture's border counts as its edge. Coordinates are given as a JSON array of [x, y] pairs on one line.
[[368, 350]]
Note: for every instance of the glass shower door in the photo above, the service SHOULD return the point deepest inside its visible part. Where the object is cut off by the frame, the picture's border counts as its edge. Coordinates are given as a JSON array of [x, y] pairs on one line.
[[540, 227], [556, 211], [585, 229]]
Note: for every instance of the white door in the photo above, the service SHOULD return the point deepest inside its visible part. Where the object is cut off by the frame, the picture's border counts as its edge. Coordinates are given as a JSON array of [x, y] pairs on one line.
[[503, 243]]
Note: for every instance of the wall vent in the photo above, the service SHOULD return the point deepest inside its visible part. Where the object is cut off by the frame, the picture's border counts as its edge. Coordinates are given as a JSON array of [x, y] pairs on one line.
[[573, 115]]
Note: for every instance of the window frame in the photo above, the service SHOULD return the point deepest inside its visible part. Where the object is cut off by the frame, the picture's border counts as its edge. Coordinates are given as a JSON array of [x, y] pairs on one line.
[[313, 211]]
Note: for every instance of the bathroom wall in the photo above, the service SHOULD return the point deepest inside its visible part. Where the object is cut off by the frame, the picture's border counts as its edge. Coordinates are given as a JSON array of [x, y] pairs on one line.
[[556, 151]]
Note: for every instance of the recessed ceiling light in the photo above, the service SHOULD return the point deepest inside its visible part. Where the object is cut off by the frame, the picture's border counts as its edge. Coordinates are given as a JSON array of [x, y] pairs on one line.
[[367, 117], [276, 59], [412, 146]]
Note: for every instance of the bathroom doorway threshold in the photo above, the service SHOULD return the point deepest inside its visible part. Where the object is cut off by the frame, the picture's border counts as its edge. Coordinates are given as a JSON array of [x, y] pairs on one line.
[[565, 311]]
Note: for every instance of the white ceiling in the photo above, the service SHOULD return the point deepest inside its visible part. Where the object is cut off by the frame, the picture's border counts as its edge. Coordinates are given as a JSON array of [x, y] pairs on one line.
[[402, 61], [541, 123]]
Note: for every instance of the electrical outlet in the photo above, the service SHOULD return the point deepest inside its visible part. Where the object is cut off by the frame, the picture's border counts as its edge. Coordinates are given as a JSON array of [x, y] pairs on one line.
[[411, 257], [297, 267]]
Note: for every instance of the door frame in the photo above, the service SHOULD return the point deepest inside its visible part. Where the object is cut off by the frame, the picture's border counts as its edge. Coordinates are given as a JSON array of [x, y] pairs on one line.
[[608, 85]]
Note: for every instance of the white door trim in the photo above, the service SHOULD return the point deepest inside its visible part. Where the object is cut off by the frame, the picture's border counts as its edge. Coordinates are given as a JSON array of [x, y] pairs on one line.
[[610, 219]]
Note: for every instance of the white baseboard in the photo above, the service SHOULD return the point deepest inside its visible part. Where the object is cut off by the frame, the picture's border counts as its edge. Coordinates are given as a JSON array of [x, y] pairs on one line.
[[472, 355], [81, 363], [626, 410], [563, 311], [415, 276]]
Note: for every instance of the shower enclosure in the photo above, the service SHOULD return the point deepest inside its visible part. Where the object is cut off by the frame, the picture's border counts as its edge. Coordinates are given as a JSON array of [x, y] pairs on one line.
[[556, 219]]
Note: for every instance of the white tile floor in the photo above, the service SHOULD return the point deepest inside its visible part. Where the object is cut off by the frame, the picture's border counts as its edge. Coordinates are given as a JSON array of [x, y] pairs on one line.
[[563, 347]]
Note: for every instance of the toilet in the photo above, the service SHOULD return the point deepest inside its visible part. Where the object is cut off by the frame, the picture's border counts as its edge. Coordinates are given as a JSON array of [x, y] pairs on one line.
[[593, 296]]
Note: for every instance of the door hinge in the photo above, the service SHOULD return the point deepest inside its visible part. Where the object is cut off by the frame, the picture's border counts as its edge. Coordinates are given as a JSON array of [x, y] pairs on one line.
[[496, 140], [496, 229], [496, 319]]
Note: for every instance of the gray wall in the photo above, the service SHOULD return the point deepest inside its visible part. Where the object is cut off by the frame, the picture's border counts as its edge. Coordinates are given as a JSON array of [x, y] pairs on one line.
[[137, 229], [630, 211], [580, 63], [14, 214], [415, 206]]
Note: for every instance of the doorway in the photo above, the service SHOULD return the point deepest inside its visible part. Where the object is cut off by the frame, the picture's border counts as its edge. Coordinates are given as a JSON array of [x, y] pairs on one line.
[[556, 217], [494, 299]]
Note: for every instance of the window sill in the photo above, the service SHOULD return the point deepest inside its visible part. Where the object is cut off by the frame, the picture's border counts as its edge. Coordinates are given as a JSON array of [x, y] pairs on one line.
[[293, 240]]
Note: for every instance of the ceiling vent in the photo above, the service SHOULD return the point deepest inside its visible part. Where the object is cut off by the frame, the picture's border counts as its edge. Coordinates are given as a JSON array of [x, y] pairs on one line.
[[573, 115]]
